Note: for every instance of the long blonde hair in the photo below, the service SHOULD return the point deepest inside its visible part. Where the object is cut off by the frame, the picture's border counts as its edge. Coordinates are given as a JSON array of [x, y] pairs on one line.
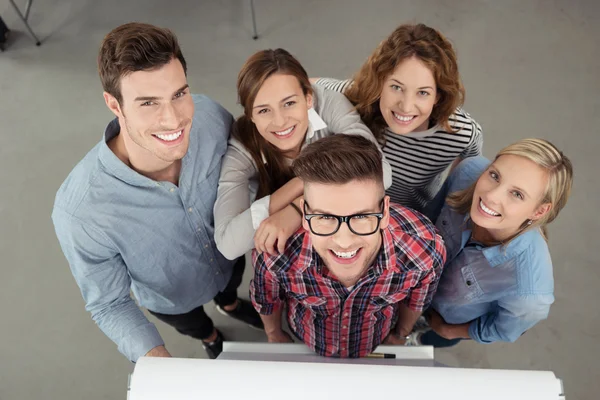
[[558, 189]]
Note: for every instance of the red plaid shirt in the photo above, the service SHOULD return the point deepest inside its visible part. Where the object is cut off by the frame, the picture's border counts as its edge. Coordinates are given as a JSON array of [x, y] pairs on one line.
[[335, 321]]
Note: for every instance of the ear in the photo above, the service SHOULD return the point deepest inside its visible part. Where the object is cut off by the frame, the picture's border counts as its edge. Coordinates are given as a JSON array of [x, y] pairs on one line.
[[304, 221], [112, 104], [309, 100], [541, 211], [385, 221]]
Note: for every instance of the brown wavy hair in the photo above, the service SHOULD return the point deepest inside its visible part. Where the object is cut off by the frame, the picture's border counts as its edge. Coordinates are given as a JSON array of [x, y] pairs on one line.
[[275, 172], [431, 48]]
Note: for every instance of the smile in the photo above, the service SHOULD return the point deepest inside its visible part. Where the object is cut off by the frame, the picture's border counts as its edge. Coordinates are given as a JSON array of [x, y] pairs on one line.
[[488, 210], [403, 118], [170, 137], [345, 254], [285, 132]]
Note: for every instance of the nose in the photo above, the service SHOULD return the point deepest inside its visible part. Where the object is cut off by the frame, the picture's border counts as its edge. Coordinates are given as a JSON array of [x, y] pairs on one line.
[[278, 119], [343, 238], [169, 117], [494, 195], [405, 103]]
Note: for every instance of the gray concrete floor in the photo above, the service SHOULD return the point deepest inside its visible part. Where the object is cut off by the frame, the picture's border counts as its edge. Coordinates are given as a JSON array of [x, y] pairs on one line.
[[530, 69]]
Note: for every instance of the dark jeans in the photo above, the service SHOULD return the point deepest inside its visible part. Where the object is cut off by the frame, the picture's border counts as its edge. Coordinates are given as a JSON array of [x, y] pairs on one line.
[[430, 338], [196, 323]]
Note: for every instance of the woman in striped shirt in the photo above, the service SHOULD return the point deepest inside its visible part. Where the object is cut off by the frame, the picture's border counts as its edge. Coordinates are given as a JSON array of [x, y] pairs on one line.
[[409, 94]]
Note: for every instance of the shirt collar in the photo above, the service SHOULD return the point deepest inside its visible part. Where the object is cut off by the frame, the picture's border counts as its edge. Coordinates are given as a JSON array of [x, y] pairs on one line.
[[114, 165]]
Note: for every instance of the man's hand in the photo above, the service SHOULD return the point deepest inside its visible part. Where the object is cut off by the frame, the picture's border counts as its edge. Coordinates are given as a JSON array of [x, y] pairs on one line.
[[158, 351], [279, 336], [394, 339], [277, 228]]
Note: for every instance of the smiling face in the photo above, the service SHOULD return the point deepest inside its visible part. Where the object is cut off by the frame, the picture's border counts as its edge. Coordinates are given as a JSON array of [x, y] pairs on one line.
[[155, 115], [508, 194], [408, 97], [346, 254], [280, 113]]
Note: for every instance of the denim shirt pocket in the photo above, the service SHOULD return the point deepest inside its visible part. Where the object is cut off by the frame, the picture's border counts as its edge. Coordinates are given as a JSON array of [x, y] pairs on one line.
[[471, 288]]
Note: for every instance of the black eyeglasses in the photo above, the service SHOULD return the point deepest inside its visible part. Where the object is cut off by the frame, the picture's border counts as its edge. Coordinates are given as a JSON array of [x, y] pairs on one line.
[[328, 224]]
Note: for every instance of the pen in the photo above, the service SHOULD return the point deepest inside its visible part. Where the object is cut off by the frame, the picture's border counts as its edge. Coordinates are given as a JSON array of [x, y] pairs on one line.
[[381, 355]]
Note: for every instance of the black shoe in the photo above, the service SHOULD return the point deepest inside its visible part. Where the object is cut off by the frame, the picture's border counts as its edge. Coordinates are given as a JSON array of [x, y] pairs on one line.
[[214, 348], [244, 312]]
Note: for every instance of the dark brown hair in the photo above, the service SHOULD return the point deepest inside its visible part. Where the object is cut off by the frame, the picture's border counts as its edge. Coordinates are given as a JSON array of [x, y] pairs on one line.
[[431, 48], [339, 159], [135, 47], [273, 173]]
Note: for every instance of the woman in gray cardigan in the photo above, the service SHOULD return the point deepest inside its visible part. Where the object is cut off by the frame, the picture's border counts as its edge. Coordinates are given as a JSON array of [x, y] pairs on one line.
[[258, 196]]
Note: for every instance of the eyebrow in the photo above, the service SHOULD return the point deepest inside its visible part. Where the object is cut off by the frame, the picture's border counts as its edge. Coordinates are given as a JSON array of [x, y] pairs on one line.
[[400, 83], [152, 98], [282, 101], [496, 170], [318, 211]]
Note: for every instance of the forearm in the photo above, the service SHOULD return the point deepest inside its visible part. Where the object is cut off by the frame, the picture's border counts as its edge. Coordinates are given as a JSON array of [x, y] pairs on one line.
[[285, 195], [126, 325], [406, 320], [272, 322], [458, 331], [158, 351]]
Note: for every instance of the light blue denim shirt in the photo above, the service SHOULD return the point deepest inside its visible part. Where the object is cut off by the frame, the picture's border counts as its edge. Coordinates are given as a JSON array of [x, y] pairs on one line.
[[122, 231], [502, 290]]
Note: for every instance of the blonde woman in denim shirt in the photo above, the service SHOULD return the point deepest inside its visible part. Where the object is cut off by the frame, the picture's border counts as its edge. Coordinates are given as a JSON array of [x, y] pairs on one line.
[[497, 282]]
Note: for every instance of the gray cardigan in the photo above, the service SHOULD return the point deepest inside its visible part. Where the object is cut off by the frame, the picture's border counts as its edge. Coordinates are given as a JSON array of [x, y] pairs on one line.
[[237, 213]]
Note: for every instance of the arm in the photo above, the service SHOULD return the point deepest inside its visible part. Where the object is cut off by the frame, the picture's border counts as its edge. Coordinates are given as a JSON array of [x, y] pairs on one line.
[[513, 316], [475, 146], [235, 215], [285, 195], [336, 85], [278, 228], [105, 284], [267, 297], [341, 117]]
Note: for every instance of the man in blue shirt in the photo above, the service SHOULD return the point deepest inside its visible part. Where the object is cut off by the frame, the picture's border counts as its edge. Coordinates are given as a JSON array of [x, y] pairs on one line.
[[136, 214]]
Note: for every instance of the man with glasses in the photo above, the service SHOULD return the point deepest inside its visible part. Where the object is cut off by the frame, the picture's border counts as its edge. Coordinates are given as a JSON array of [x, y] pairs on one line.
[[361, 270]]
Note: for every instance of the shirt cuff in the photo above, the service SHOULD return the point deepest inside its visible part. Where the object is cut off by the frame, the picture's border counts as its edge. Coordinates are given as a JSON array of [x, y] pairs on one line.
[[259, 210], [140, 341]]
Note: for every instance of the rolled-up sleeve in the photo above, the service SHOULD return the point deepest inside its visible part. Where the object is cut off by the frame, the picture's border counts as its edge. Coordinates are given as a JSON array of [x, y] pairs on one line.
[[514, 316], [265, 290], [105, 286], [236, 216]]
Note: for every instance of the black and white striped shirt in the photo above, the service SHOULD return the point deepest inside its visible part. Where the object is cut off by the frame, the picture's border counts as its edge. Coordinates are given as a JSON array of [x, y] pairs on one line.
[[420, 160]]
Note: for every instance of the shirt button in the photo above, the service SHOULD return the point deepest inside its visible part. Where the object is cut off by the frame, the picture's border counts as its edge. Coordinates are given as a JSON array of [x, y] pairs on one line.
[[343, 349], [211, 260], [190, 209], [205, 246], [172, 190], [217, 273], [469, 283], [345, 327], [345, 314]]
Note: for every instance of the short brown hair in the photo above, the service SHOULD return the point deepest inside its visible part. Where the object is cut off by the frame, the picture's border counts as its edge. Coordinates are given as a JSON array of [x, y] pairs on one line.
[[339, 159], [135, 47], [407, 41], [275, 172]]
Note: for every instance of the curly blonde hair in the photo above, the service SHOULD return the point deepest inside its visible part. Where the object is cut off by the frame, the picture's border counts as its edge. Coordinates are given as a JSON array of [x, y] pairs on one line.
[[407, 41]]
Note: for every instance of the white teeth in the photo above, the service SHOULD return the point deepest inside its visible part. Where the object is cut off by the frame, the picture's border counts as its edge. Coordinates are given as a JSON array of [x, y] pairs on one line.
[[283, 133], [342, 254], [403, 118], [487, 210], [170, 137]]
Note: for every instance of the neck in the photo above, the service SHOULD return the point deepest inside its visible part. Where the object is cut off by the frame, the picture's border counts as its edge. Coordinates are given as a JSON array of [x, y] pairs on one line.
[[152, 169], [424, 126], [491, 237]]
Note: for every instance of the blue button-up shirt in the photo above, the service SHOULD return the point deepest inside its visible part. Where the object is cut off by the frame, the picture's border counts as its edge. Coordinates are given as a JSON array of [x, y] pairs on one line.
[[501, 290], [122, 231]]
